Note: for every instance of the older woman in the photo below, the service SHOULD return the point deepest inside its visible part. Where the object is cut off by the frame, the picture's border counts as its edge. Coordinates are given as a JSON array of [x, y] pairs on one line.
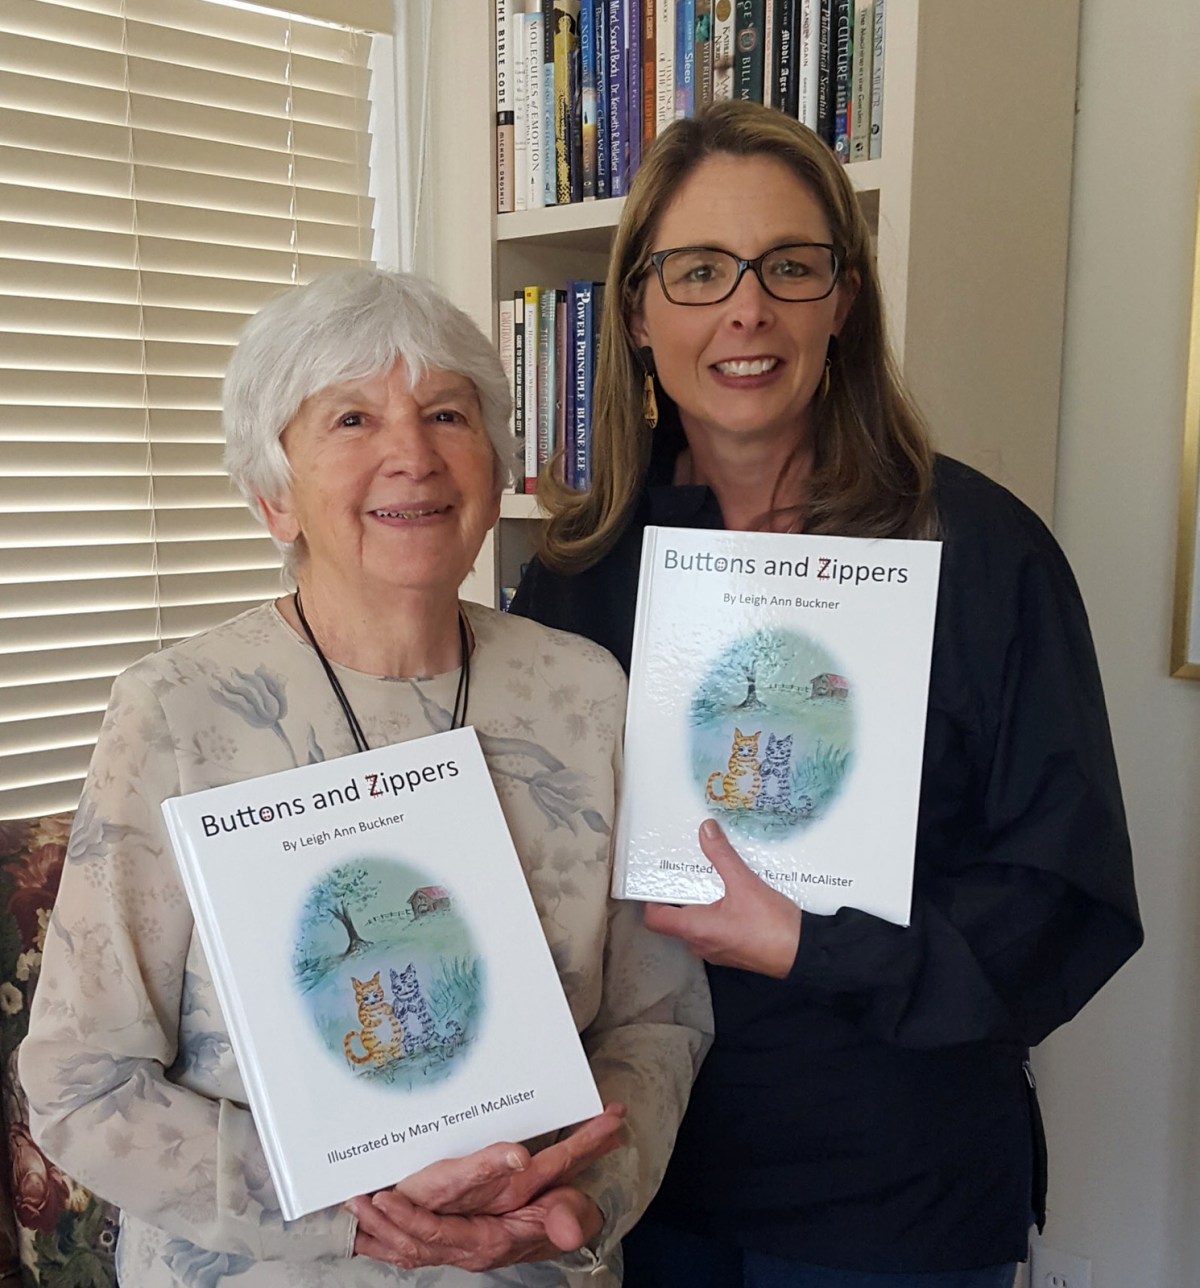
[[866, 1118], [366, 421]]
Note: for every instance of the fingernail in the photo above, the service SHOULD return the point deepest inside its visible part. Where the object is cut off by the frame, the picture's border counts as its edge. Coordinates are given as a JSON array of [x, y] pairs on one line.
[[709, 830], [513, 1159]]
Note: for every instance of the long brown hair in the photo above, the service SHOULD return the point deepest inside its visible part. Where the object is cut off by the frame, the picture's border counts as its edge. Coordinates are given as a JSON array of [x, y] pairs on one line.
[[872, 472]]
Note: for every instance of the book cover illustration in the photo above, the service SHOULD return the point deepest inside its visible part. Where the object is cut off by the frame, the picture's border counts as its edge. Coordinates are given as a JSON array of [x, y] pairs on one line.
[[772, 734], [779, 686], [388, 972], [388, 991]]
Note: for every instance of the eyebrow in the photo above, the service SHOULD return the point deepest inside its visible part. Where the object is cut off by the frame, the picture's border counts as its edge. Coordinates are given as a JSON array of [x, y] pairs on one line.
[[450, 385]]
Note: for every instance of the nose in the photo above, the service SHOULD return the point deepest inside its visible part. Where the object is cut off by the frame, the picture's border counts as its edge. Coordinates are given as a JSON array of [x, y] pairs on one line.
[[750, 307], [407, 444]]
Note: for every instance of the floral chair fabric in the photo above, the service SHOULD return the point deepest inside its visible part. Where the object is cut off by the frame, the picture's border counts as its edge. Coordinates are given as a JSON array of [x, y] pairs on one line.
[[53, 1232]]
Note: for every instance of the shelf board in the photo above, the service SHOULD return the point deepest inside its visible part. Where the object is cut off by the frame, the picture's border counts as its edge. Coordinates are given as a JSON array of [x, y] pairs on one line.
[[582, 225], [517, 505]]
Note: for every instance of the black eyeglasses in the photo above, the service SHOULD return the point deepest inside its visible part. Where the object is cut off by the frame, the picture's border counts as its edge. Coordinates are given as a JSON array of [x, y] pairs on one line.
[[800, 272]]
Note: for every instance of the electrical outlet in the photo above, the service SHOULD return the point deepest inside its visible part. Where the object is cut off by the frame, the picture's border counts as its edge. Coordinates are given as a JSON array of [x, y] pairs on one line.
[[1049, 1268]]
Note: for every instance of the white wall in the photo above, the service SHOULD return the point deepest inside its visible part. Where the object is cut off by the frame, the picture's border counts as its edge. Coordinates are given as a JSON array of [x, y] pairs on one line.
[[1121, 1085]]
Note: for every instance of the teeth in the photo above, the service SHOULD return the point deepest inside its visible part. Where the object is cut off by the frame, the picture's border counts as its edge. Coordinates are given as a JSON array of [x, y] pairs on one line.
[[406, 514], [755, 368]]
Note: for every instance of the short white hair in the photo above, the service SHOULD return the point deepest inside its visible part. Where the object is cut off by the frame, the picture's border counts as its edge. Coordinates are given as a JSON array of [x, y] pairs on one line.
[[349, 325]]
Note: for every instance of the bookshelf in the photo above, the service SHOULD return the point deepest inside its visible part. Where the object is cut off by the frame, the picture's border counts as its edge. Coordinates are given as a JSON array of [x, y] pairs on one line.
[[969, 203]]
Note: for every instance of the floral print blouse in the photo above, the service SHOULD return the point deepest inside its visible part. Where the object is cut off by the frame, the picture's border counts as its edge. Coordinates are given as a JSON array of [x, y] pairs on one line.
[[131, 1080]]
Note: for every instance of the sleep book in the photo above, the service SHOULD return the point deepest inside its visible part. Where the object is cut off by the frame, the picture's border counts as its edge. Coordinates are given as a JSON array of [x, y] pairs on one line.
[[389, 993], [778, 685]]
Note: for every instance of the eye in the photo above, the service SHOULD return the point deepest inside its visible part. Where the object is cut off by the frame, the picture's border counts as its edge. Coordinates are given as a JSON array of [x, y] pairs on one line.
[[351, 420], [448, 416], [790, 267]]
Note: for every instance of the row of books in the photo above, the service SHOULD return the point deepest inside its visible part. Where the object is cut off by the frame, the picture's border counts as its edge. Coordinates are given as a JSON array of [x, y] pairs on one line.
[[548, 347], [584, 86]]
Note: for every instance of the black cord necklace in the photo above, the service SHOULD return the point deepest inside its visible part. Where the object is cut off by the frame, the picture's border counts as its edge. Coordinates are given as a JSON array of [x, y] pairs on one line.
[[461, 697]]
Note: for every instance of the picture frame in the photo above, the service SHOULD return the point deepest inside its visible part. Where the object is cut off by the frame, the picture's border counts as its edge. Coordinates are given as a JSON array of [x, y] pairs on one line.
[[1185, 635]]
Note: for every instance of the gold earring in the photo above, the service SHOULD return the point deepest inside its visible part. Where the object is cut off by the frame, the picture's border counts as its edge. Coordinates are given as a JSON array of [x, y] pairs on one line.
[[826, 379], [649, 402]]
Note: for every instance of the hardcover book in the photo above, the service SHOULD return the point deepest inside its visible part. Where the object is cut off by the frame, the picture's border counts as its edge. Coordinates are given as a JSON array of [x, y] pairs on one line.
[[505, 160], [389, 993], [860, 80], [750, 21], [779, 685]]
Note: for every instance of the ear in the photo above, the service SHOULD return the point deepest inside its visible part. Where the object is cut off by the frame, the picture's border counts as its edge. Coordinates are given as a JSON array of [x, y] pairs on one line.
[[281, 521], [847, 293], [637, 329]]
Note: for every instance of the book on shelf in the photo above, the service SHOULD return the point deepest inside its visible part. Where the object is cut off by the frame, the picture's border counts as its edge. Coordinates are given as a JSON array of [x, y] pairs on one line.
[[518, 389], [507, 316], [875, 148], [784, 94], [367, 921], [568, 122], [581, 295], [748, 52], [603, 147], [768, 53], [807, 47], [505, 161], [534, 45], [860, 96], [532, 349], [517, 52], [546, 380], [826, 89], [724, 25], [703, 57], [634, 87], [841, 54], [616, 51], [564, 410], [778, 685], [685, 59], [589, 103], [549, 103]]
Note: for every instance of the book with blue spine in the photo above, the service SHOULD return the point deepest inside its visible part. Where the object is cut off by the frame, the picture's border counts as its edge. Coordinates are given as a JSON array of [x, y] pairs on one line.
[[618, 97], [779, 685], [634, 86], [842, 38], [685, 59], [582, 344], [549, 105], [389, 993], [588, 101], [547, 347], [603, 149]]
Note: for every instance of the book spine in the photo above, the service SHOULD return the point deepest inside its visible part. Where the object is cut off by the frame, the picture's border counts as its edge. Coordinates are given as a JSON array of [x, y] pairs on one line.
[[842, 37], [583, 466], [505, 329], [860, 103], [531, 387], [536, 197], [562, 384], [685, 58], [704, 53], [519, 389], [825, 89], [505, 176], [808, 80], [724, 26], [784, 90], [748, 56], [570, 397], [649, 73], [562, 104], [549, 101], [875, 150], [546, 355], [635, 86], [603, 148], [582, 327], [587, 65], [664, 70], [520, 114], [618, 104], [768, 50]]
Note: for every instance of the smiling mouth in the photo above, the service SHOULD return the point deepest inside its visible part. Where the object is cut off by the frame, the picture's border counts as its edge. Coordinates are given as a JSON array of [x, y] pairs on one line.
[[424, 513], [747, 367]]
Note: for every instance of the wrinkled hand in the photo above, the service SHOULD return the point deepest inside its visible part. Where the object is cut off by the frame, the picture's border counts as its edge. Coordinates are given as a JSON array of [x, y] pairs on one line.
[[504, 1177], [493, 1208], [393, 1229], [752, 927]]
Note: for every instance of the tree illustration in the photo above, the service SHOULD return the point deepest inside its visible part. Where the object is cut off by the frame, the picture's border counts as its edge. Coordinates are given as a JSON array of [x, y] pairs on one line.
[[337, 895]]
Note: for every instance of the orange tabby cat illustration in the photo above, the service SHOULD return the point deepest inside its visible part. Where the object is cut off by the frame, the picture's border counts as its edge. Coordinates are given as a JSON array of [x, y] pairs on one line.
[[742, 782], [381, 1035]]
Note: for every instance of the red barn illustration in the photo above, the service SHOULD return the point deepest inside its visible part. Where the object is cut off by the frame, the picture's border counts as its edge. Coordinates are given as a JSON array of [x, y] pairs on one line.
[[428, 899], [828, 685]]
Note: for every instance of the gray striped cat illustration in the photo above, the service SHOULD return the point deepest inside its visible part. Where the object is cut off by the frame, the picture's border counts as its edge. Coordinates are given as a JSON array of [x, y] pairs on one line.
[[409, 1008], [774, 794]]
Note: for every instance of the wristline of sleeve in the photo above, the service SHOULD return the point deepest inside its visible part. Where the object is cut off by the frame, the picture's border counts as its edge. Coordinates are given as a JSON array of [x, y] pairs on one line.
[[850, 952]]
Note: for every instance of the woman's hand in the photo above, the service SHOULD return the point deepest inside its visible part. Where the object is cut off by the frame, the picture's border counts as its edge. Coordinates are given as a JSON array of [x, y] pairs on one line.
[[752, 927], [393, 1229], [505, 1177]]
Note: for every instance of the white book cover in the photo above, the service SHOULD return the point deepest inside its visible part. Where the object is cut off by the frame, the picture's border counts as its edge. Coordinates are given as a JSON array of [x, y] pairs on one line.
[[875, 149], [520, 80], [722, 49], [535, 113], [778, 685], [507, 310], [664, 46], [389, 993], [809, 18], [860, 80]]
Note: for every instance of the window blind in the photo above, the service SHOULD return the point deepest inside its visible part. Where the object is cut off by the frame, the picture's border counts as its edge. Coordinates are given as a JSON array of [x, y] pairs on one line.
[[166, 167]]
